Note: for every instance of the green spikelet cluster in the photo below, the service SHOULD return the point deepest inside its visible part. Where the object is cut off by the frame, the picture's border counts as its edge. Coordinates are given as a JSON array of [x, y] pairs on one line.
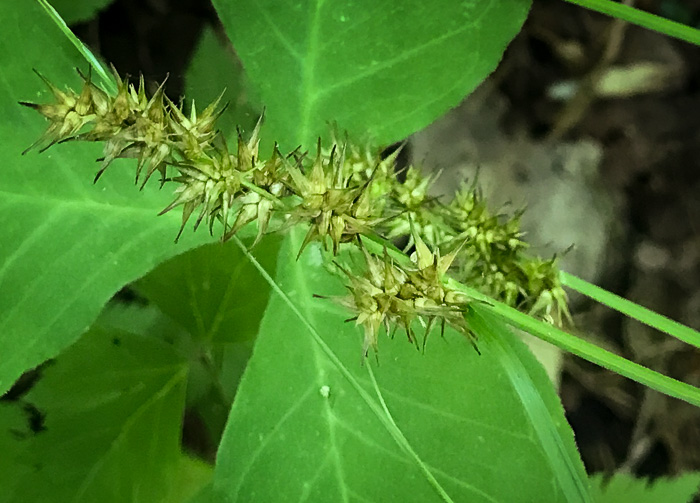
[[342, 193], [335, 205], [393, 296]]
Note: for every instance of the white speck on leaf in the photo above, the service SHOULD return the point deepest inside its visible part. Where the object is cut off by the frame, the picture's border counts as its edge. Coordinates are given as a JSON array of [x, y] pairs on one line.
[[325, 391], [314, 256]]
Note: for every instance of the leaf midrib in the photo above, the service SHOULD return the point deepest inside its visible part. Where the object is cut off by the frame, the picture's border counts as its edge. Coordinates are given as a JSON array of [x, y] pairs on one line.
[[177, 378], [57, 202], [308, 97]]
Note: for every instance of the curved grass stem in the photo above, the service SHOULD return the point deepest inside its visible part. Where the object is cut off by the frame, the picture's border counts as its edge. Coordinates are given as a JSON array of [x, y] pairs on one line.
[[107, 80], [633, 310], [599, 356], [641, 18]]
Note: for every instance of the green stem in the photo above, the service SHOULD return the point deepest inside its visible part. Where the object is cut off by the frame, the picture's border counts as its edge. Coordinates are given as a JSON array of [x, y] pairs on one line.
[[585, 349], [629, 308], [107, 79], [262, 192], [641, 18]]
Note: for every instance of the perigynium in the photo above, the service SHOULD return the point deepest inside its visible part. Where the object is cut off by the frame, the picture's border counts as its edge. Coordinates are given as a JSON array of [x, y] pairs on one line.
[[389, 295], [334, 206]]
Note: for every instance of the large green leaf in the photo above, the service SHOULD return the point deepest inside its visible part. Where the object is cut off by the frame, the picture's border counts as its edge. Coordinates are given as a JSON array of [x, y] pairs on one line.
[[214, 291], [14, 426], [385, 69], [67, 245], [312, 423], [219, 297], [112, 410], [214, 370]]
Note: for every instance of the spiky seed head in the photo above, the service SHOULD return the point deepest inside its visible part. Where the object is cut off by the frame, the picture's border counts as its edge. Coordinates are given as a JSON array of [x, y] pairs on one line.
[[336, 208]]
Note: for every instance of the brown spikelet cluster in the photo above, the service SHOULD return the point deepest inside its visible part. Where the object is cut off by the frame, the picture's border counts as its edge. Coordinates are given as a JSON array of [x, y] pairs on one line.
[[343, 192], [393, 296]]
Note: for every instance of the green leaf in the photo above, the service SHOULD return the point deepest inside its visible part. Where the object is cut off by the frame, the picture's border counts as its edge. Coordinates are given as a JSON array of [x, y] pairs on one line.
[[190, 477], [214, 69], [624, 488], [67, 245], [214, 291], [214, 370], [385, 69], [587, 350], [314, 423], [543, 409], [14, 427], [112, 410], [147, 321], [208, 495], [76, 11], [219, 297]]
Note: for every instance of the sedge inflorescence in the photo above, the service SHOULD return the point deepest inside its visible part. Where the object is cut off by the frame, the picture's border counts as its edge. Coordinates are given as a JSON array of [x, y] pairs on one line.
[[341, 193]]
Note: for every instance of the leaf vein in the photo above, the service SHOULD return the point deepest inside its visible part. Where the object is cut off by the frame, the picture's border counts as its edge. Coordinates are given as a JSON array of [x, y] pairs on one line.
[[400, 58]]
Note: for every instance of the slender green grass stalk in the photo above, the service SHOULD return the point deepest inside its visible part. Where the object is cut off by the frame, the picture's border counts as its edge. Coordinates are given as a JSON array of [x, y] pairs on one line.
[[643, 19], [107, 80], [595, 354], [629, 308]]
